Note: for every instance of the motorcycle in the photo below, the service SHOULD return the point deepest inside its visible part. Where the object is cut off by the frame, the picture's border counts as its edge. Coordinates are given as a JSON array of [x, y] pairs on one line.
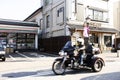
[[70, 59]]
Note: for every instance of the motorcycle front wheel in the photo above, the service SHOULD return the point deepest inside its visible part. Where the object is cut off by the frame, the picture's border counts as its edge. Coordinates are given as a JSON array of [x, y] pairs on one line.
[[58, 68]]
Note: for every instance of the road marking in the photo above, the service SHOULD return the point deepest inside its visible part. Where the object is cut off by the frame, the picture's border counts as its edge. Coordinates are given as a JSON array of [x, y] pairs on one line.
[[34, 54], [12, 57], [25, 56]]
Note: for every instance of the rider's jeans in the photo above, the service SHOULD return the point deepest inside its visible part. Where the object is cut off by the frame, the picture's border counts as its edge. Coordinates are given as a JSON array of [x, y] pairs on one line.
[[81, 61]]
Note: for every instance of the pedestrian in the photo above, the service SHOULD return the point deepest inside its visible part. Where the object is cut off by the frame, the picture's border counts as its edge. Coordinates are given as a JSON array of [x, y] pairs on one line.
[[86, 31]]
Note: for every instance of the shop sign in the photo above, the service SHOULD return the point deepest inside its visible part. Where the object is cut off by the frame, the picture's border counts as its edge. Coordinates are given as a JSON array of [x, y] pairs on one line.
[[94, 24]]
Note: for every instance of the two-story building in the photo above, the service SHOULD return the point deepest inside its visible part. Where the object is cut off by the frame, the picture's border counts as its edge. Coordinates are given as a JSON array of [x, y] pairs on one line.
[[58, 15]]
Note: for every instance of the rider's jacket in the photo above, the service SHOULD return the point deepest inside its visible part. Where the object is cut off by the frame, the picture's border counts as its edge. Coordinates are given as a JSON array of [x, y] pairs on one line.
[[89, 49]]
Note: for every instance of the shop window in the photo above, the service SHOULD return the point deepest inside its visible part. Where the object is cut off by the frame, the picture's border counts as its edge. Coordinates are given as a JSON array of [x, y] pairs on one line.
[[30, 35], [21, 35], [25, 41], [108, 41]]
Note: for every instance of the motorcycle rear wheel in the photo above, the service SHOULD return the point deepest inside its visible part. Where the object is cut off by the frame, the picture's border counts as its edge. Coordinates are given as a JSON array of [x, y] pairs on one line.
[[58, 68], [97, 65]]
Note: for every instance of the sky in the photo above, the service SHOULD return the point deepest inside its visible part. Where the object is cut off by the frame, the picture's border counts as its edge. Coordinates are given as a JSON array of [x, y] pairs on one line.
[[18, 9]]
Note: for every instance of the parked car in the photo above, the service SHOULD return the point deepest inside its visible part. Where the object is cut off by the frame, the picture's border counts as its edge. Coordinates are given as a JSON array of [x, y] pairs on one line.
[[2, 54]]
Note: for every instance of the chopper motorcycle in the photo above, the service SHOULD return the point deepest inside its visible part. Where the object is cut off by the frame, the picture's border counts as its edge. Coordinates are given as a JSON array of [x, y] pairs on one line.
[[70, 59]]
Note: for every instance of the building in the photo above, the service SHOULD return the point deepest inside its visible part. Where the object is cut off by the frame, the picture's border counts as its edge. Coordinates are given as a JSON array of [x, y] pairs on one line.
[[116, 22], [58, 15], [18, 35], [37, 16], [116, 13]]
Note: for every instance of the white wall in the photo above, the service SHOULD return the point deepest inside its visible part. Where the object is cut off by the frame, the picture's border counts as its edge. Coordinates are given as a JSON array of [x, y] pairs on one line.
[[56, 23], [114, 9]]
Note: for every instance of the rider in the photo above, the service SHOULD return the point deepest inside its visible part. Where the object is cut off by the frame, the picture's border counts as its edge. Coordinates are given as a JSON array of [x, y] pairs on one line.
[[81, 49]]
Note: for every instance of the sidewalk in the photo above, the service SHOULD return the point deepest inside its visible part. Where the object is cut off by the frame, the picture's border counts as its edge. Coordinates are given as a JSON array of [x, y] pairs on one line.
[[110, 57]]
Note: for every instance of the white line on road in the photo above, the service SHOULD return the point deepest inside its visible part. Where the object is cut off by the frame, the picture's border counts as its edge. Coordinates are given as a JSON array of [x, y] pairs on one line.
[[25, 56], [12, 57]]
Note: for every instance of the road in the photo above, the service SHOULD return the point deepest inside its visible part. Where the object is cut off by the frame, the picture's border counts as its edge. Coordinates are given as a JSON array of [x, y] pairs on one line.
[[37, 66]]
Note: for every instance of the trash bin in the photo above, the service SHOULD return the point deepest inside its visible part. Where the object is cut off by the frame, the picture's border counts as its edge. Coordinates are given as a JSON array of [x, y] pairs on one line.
[[9, 49], [118, 53]]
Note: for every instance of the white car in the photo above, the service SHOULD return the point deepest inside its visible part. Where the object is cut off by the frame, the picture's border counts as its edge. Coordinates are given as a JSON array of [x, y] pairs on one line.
[[2, 54]]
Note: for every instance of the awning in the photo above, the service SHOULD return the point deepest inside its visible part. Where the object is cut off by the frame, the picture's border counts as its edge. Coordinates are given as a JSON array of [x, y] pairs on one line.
[[100, 29], [18, 29], [13, 26]]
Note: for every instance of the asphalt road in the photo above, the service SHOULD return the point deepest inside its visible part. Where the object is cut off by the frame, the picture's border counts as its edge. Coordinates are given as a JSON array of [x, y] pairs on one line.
[[34, 66]]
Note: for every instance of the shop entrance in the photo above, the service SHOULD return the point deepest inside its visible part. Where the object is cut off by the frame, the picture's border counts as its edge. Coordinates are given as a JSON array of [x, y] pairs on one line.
[[94, 38], [17, 41], [3, 40], [7, 42]]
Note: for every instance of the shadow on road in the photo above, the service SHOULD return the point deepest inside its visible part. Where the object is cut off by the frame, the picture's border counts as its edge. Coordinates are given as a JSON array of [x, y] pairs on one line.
[[79, 71], [45, 72], [49, 73], [18, 74]]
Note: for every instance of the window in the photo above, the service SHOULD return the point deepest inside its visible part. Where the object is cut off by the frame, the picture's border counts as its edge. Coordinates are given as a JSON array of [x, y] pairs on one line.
[[48, 21], [21, 35], [30, 36], [108, 41], [98, 15], [59, 11], [25, 41], [60, 15]]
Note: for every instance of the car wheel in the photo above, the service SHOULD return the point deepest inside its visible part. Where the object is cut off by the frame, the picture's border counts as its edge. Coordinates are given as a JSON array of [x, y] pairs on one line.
[[3, 58]]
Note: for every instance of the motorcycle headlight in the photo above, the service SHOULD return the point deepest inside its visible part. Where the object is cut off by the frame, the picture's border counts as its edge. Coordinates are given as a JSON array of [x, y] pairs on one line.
[[62, 53]]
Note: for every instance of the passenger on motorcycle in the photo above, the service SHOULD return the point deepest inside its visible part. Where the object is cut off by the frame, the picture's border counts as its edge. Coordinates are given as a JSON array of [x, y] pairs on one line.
[[84, 50], [80, 48]]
